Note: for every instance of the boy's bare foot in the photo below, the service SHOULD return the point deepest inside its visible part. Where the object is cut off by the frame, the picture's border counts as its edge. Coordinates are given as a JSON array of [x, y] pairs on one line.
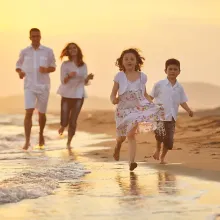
[[117, 149], [61, 130], [156, 155], [26, 146], [162, 161], [41, 140]]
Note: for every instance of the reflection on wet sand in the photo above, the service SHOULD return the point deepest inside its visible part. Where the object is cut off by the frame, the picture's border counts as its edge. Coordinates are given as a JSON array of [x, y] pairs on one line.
[[130, 188], [167, 183]]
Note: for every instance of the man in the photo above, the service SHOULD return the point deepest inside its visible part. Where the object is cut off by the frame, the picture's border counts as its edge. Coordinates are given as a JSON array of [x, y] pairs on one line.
[[34, 65]]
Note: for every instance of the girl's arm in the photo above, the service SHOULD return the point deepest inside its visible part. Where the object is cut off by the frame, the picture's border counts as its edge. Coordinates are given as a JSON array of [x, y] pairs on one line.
[[114, 92], [147, 96]]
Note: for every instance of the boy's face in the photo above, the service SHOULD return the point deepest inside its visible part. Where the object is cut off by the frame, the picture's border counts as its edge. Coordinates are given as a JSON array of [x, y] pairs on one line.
[[172, 71]]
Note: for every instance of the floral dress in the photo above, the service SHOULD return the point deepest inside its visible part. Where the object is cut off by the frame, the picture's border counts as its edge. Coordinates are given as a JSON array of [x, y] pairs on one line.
[[134, 109]]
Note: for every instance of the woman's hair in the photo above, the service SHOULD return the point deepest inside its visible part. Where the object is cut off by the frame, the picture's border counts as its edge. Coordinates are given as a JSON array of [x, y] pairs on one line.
[[79, 55], [139, 58], [172, 62]]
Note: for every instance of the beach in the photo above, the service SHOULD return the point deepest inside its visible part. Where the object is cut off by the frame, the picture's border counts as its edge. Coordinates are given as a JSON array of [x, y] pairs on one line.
[[87, 183], [196, 146]]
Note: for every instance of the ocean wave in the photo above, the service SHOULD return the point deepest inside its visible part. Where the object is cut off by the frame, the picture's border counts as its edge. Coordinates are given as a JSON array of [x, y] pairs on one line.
[[37, 183]]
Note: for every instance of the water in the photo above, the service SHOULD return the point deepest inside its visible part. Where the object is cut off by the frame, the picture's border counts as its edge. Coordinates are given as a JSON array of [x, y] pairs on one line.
[[52, 184]]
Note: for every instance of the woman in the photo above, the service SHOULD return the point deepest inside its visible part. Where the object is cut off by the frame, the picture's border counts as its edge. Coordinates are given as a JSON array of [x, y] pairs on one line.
[[73, 77]]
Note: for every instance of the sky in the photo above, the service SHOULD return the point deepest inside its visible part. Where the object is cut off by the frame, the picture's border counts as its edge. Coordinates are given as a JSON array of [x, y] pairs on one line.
[[183, 29]]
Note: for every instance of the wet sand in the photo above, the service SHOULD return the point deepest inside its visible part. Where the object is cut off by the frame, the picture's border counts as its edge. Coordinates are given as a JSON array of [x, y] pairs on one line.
[[109, 191], [196, 149]]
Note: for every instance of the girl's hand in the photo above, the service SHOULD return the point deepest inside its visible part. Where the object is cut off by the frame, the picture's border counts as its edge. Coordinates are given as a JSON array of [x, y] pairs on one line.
[[115, 101]]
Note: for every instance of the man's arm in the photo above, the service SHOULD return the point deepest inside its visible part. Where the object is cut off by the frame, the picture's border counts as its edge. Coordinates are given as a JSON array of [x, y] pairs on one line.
[[19, 65]]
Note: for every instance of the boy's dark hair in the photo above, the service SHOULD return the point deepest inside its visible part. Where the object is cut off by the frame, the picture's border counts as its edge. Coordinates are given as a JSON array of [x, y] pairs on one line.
[[139, 58], [172, 62], [34, 29]]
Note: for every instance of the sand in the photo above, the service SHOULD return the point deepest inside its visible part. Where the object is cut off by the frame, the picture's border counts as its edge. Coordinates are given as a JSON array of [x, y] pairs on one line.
[[196, 147]]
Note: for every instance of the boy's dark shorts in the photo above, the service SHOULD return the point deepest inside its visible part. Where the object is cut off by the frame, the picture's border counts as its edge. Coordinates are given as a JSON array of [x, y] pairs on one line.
[[165, 133]]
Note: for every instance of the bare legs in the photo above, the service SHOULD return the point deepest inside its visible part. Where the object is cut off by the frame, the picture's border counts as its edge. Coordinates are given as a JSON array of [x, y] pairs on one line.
[[157, 155], [117, 149], [42, 122], [28, 126]]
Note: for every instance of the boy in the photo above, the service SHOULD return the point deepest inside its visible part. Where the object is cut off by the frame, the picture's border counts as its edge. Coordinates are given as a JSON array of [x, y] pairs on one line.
[[170, 94]]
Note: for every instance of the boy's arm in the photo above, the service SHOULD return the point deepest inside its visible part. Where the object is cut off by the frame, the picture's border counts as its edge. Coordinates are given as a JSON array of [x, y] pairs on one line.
[[185, 106], [183, 100]]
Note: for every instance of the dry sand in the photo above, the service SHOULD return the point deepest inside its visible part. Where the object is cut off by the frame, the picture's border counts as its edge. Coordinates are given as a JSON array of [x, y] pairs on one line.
[[196, 149]]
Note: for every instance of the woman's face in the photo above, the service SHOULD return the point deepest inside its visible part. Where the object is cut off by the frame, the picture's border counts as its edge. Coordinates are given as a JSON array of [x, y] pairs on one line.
[[72, 50]]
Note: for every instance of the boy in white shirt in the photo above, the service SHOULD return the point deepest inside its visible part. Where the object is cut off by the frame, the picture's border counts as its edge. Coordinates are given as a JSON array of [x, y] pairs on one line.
[[169, 93]]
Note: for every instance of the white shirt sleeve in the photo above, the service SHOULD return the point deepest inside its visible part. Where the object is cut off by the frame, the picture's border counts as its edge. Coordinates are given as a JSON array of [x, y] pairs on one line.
[[117, 78], [51, 60], [20, 60], [63, 72], [183, 97]]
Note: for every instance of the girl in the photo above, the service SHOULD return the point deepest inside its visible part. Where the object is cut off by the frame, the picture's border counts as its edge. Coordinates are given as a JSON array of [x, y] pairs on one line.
[[73, 79], [135, 110]]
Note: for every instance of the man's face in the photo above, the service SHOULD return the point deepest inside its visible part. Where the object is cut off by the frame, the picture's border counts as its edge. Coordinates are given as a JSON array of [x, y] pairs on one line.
[[35, 37]]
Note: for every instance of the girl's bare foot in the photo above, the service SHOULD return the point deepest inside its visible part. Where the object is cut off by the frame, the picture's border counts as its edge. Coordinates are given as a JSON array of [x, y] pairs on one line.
[[156, 155], [61, 130], [117, 149]]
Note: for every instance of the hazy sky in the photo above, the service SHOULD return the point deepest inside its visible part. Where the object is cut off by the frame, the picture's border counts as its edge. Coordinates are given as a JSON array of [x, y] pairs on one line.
[[188, 30]]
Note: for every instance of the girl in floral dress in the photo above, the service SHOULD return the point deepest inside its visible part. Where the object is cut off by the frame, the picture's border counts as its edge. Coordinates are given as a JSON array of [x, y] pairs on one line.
[[135, 111]]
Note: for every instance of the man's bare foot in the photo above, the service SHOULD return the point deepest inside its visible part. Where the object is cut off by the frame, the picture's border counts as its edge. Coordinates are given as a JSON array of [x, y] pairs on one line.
[[41, 140], [117, 149], [156, 155], [61, 130], [26, 146]]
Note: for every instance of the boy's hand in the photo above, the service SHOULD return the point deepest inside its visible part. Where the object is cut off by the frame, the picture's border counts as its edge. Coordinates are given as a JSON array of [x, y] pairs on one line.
[[190, 112]]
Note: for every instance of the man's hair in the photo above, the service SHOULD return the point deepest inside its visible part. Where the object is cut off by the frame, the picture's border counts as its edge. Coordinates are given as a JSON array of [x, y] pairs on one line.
[[172, 62], [34, 29]]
